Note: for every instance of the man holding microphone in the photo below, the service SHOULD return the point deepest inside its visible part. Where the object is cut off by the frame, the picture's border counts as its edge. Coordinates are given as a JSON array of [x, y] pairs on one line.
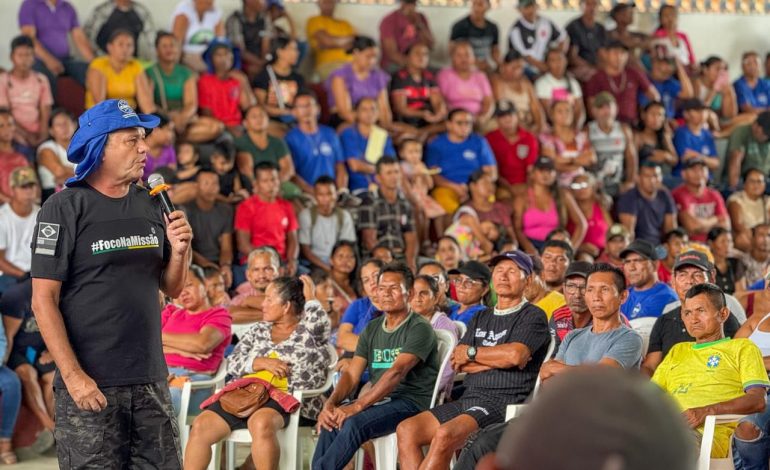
[[101, 250]]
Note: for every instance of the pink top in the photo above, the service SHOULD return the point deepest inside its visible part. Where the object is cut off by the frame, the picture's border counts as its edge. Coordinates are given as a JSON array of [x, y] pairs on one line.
[[175, 319], [597, 228], [465, 94], [25, 97], [537, 224]]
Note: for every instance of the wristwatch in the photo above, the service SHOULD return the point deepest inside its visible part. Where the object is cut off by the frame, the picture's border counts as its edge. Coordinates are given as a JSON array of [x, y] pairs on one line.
[[471, 353]]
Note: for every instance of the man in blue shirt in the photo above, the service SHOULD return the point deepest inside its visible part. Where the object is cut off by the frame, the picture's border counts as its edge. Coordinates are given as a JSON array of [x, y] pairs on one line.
[[648, 210], [670, 88], [458, 153], [752, 92], [692, 140], [647, 296], [315, 149]]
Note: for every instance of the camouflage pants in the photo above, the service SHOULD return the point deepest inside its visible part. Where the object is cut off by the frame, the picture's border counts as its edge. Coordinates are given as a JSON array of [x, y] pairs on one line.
[[137, 430]]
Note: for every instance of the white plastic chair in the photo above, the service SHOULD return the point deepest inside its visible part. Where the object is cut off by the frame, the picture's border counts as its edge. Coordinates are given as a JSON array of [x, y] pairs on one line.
[[512, 411], [462, 328], [643, 326], [184, 418], [289, 437], [386, 447], [705, 462]]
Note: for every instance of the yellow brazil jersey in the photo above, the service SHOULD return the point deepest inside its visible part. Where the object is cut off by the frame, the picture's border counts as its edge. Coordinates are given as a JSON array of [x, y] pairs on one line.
[[551, 302], [120, 85], [333, 27], [703, 374]]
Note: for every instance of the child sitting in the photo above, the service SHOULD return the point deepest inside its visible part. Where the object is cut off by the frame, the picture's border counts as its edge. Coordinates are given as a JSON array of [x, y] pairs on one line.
[[417, 182], [233, 186]]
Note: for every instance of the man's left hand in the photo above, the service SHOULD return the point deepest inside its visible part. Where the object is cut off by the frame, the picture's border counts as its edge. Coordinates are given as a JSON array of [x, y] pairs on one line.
[[696, 416], [178, 232], [460, 356], [345, 412]]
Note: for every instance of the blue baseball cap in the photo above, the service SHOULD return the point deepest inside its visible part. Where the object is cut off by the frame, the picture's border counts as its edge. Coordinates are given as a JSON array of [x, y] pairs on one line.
[[522, 260], [95, 125]]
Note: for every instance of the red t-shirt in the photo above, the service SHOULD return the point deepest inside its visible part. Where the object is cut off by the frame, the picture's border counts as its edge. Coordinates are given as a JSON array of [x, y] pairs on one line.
[[625, 88], [513, 159], [9, 161], [708, 204], [268, 223], [175, 319], [664, 275], [222, 97]]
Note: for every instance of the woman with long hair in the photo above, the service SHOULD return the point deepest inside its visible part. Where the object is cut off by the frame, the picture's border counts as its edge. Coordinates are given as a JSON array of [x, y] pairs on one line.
[[343, 262], [278, 84], [653, 138], [675, 42], [730, 271], [52, 164]]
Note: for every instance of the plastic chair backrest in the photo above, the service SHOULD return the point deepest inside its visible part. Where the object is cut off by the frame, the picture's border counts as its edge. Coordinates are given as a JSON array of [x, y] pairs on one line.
[[445, 346], [643, 326], [462, 328]]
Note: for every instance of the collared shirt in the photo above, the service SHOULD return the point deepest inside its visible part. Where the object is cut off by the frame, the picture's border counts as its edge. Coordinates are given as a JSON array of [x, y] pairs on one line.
[[390, 220]]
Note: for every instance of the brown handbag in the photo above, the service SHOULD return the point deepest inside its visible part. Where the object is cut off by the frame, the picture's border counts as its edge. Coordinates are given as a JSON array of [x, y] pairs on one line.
[[244, 401]]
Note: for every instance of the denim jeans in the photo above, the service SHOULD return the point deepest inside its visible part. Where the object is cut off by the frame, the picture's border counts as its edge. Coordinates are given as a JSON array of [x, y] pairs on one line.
[[10, 395], [196, 396], [754, 454], [336, 448]]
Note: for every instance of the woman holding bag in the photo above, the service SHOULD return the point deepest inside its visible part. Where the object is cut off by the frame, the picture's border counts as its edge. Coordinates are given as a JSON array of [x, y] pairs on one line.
[[287, 350]]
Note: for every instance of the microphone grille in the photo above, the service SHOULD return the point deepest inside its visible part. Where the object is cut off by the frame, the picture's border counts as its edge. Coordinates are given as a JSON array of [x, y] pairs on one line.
[[155, 179]]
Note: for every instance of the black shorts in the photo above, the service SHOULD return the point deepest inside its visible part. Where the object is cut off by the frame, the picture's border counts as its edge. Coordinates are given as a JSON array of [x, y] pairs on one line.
[[18, 358], [137, 429], [483, 410], [237, 423]]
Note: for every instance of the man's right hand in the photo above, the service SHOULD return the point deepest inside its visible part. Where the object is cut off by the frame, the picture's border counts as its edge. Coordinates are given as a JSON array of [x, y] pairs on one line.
[[327, 418], [84, 392]]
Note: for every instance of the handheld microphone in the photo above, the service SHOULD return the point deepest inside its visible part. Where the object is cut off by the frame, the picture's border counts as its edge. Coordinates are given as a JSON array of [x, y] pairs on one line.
[[159, 188]]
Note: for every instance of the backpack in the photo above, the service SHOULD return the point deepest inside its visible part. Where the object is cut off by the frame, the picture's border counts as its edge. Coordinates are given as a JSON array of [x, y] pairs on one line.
[[340, 220]]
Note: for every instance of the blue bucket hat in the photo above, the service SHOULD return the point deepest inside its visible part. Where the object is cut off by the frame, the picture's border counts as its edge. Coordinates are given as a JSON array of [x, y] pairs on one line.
[[95, 125], [216, 44]]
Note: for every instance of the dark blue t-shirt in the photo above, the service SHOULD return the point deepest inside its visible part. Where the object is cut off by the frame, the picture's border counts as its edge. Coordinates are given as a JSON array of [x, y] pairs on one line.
[[316, 154], [650, 215], [354, 147], [757, 97], [684, 139], [648, 303], [359, 313], [458, 160]]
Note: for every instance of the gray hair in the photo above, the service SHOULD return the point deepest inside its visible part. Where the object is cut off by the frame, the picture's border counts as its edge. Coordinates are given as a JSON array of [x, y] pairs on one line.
[[275, 258]]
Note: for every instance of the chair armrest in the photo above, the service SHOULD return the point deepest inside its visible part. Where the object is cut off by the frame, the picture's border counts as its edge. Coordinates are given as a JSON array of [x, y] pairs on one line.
[[514, 411], [707, 441]]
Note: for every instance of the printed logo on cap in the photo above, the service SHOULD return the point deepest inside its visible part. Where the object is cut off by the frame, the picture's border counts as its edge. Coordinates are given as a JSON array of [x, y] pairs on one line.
[[126, 109]]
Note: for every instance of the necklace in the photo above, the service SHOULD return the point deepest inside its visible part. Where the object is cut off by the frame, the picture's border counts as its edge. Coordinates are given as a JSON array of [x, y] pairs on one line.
[[615, 89]]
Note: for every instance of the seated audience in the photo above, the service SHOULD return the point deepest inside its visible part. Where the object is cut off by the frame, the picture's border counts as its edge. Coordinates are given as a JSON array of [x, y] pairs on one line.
[[675, 42], [556, 256], [216, 287], [616, 158], [417, 183], [52, 45], [196, 24], [574, 313], [363, 143], [383, 253], [118, 75], [342, 275], [212, 223], [160, 143], [700, 208], [749, 148], [692, 140], [415, 95], [511, 83], [262, 267], [670, 88], [129, 15], [323, 225], [592, 203], [256, 145], [266, 219], [557, 85], [175, 92], [481, 33], [623, 81], [720, 375], [515, 150], [465, 87], [544, 208], [569, 148], [446, 289], [400, 30], [751, 90], [501, 354], [730, 272], [586, 35], [622, 14], [315, 149], [675, 241], [385, 216], [618, 238], [532, 35], [647, 210], [458, 153], [10, 387], [471, 283], [647, 296], [195, 336], [713, 87], [748, 207], [52, 164], [481, 204], [691, 268], [537, 291], [361, 311], [17, 224], [224, 91], [288, 350], [330, 38], [234, 187], [249, 29], [398, 349], [27, 94], [757, 258], [278, 84], [654, 139]]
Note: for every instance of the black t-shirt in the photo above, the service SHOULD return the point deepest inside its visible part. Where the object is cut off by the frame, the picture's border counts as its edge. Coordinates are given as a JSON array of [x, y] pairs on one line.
[[119, 19], [208, 226], [669, 330], [16, 302], [227, 182], [109, 254], [527, 325], [736, 270], [289, 85], [481, 39], [587, 40], [417, 92]]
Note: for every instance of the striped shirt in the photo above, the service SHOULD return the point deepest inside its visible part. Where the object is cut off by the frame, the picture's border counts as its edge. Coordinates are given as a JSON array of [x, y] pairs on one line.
[[391, 221]]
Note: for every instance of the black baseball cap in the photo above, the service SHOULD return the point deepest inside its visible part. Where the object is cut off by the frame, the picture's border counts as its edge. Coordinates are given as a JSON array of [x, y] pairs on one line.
[[504, 108], [693, 258], [615, 44], [522, 260], [692, 104], [544, 163], [578, 268], [693, 162], [474, 270], [642, 248]]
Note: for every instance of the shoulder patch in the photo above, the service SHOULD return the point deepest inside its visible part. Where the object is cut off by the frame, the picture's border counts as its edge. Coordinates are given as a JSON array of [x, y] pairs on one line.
[[47, 238]]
